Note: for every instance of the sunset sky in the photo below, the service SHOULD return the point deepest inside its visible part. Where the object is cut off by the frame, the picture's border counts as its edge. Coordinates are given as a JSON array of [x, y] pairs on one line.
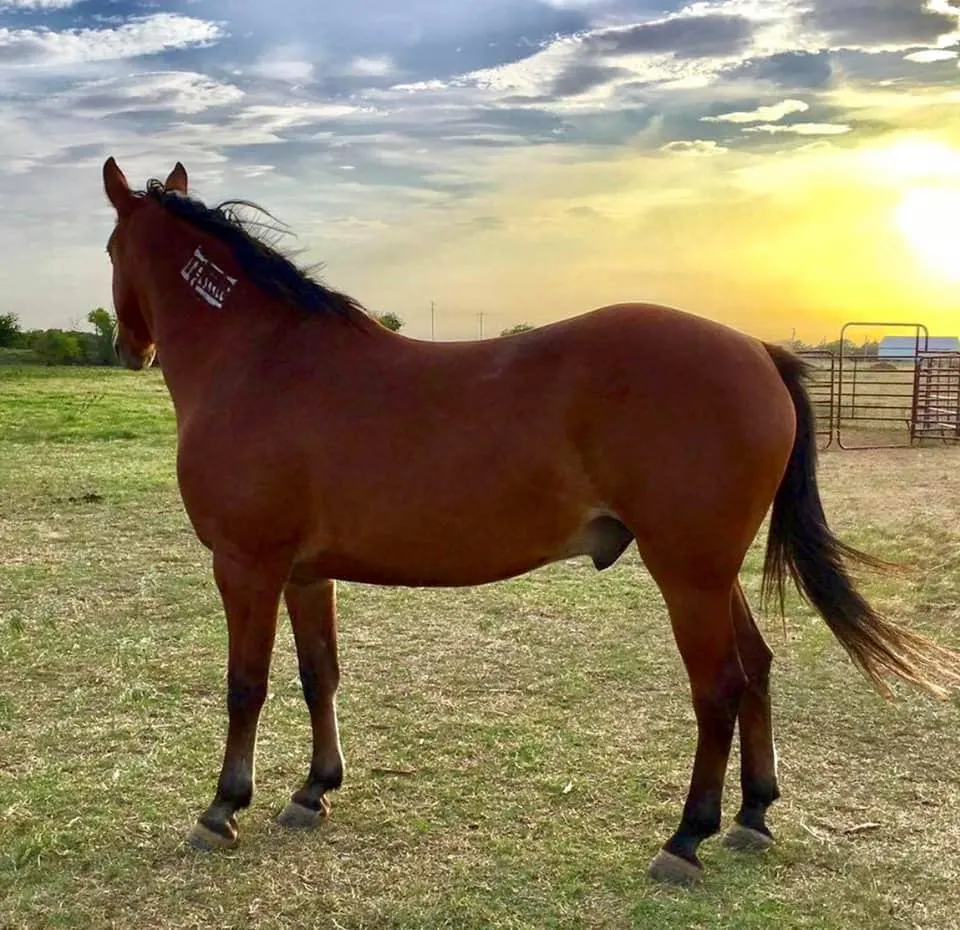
[[779, 165]]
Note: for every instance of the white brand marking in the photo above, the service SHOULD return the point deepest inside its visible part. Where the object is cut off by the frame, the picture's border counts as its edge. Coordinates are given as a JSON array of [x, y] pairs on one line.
[[208, 281]]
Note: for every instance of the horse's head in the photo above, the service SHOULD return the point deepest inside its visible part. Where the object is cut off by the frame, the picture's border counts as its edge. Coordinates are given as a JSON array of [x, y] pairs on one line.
[[134, 336]]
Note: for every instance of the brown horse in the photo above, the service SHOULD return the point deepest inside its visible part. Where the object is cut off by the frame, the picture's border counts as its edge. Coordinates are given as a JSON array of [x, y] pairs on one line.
[[314, 444]]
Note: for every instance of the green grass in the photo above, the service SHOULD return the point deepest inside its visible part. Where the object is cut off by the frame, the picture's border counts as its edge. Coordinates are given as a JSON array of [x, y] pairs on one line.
[[81, 405], [515, 753]]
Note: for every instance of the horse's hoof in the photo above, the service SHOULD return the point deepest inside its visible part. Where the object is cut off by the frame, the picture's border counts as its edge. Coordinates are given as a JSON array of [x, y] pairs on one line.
[[746, 839], [666, 867], [298, 817], [204, 839]]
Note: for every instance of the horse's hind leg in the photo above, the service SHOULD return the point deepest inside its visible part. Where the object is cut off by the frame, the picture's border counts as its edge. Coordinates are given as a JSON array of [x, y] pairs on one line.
[[758, 761], [313, 615], [703, 628], [251, 598]]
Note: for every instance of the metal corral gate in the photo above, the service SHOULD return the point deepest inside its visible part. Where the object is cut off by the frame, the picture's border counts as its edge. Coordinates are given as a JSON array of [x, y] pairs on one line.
[[875, 396], [867, 402], [936, 397]]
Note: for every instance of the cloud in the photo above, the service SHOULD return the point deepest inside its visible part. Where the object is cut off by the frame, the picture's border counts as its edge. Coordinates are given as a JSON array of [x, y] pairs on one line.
[[308, 131], [147, 35], [275, 117], [768, 114], [285, 63], [582, 77], [686, 36], [456, 38], [423, 40], [587, 72], [790, 70], [38, 4], [877, 69], [255, 171], [801, 129], [697, 147], [372, 67], [530, 78], [880, 23], [179, 92], [927, 55], [289, 72]]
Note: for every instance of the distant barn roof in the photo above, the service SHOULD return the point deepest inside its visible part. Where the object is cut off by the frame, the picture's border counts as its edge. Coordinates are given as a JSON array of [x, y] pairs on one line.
[[906, 346]]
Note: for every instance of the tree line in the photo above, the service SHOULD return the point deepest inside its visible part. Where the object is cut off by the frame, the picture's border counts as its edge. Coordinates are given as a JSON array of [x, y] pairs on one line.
[[89, 347], [63, 346]]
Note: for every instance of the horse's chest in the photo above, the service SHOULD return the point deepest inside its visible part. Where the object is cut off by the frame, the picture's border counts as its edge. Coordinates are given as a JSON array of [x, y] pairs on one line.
[[231, 490]]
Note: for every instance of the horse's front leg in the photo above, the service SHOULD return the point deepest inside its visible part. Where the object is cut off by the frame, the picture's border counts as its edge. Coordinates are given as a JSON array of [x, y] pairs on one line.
[[251, 593]]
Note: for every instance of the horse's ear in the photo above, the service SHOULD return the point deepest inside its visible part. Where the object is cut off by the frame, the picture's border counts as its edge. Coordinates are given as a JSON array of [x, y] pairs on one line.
[[115, 184], [177, 179]]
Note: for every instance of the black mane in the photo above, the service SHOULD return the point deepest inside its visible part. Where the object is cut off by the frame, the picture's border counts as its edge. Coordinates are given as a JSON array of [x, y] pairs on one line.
[[263, 263]]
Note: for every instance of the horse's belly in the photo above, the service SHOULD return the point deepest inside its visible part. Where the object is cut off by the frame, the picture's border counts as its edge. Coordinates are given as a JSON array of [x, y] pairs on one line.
[[460, 560], [408, 574]]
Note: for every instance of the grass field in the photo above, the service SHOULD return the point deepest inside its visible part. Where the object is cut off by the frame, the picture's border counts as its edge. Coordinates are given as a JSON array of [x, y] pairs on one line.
[[515, 753]]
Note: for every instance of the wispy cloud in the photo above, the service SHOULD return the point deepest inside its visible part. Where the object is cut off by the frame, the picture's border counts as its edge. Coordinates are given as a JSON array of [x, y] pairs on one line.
[[179, 92], [766, 114], [927, 55], [801, 129], [146, 35], [686, 36], [698, 147], [372, 67], [286, 63], [881, 23], [38, 4]]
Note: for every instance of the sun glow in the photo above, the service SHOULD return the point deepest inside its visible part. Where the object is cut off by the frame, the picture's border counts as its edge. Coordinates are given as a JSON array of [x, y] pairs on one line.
[[913, 159], [929, 219]]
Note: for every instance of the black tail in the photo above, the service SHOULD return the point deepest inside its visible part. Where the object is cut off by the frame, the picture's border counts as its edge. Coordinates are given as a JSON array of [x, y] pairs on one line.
[[800, 544]]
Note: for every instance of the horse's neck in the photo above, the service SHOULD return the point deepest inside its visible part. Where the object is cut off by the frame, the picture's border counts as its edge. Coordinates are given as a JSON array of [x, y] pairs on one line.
[[193, 333], [205, 320]]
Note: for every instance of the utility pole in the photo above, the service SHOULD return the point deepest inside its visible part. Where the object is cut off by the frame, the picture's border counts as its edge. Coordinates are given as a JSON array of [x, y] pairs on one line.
[[433, 321], [480, 315]]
